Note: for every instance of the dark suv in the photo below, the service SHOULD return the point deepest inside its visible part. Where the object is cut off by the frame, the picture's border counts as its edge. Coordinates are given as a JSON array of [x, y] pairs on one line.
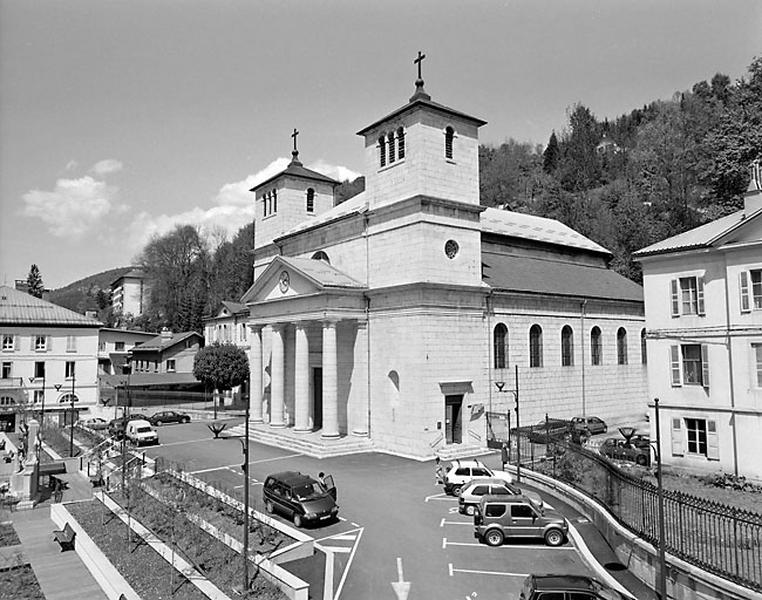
[[117, 427], [300, 497], [567, 587]]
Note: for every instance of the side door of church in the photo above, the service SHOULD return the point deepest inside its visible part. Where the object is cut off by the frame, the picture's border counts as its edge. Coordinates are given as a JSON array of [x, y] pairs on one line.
[[453, 421]]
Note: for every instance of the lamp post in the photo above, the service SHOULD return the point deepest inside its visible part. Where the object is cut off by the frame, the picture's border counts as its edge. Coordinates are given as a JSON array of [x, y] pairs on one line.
[[662, 580], [246, 503], [71, 399], [42, 422], [500, 385]]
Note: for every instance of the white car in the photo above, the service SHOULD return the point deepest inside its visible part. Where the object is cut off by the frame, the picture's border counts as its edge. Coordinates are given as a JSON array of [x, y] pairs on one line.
[[471, 493], [462, 471], [140, 432]]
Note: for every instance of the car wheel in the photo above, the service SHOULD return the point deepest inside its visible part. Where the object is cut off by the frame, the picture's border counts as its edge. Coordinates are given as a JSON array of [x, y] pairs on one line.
[[157, 423], [186, 420], [554, 537], [494, 537], [456, 490], [297, 520], [269, 507], [470, 510], [641, 460]]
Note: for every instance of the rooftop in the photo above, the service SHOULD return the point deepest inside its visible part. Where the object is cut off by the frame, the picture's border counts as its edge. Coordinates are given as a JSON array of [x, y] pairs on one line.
[[19, 308], [160, 342]]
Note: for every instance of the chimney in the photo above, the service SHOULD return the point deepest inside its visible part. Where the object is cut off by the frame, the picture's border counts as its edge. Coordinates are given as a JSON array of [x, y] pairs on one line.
[[166, 333], [752, 201]]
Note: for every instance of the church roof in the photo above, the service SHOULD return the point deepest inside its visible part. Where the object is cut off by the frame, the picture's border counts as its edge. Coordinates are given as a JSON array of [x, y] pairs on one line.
[[296, 169], [555, 277], [234, 307], [423, 100], [19, 308], [356, 204], [520, 225], [321, 272], [704, 236]]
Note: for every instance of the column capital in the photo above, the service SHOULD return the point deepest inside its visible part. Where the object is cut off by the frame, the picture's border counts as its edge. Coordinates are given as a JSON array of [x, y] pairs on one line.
[[329, 321], [254, 327]]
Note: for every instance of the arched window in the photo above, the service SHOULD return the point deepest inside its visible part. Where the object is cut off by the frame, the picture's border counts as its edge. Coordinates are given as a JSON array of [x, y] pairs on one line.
[[7, 400], [535, 346], [275, 201], [393, 388], [320, 255], [310, 200], [382, 150], [264, 205], [391, 147], [500, 337], [596, 346], [400, 143], [621, 346], [68, 398], [567, 347], [449, 136], [643, 352]]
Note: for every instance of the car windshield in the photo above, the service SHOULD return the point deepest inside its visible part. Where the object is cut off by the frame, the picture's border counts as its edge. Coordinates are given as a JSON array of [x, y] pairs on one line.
[[144, 430], [308, 490]]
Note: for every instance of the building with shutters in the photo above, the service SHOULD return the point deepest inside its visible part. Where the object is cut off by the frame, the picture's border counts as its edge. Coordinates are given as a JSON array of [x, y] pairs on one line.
[[49, 356], [703, 302], [400, 316]]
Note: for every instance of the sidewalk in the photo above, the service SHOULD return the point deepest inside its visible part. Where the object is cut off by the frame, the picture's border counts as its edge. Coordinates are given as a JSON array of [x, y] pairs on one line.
[[61, 575]]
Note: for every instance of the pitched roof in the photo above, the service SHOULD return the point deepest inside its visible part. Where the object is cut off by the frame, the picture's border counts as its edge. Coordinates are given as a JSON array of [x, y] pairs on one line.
[[545, 276], [296, 169], [703, 236], [19, 308], [355, 205], [135, 272], [234, 308], [161, 343], [146, 379], [322, 273], [520, 225]]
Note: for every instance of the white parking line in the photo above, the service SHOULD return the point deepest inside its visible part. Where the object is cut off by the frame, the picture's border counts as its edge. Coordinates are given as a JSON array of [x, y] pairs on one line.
[[210, 469], [453, 570], [165, 444], [441, 496], [444, 522], [264, 460], [445, 543]]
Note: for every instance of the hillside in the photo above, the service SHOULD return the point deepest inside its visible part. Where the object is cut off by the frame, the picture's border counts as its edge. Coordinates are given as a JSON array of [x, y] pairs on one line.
[[83, 294]]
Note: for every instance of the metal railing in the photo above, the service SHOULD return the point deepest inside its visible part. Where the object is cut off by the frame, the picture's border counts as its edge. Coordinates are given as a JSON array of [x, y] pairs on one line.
[[716, 537]]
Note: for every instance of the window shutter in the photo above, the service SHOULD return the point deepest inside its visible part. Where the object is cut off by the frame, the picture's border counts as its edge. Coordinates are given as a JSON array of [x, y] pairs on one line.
[[744, 284], [700, 294], [16, 343], [675, 299], [48, 347], [705, 365], [31, 342], [675, 365], [678, 440], [712, 441]]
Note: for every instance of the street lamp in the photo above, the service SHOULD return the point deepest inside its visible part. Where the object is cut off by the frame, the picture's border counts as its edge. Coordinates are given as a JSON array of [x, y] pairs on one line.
[[500, 385], [662, 581], [42, 422]]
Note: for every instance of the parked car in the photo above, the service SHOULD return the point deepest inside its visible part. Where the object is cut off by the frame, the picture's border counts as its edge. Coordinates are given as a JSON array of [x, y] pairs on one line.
[[95, 423], [462, 471], [139, 432], [300, 497], [621, 449], [116, 427], [169, 416], [589, 425], [549, 431], [501, 517], [472, 492], [566, 587]]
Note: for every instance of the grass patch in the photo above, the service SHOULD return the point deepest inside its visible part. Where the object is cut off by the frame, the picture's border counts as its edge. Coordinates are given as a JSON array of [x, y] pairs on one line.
[[19, 583], [8, 535]]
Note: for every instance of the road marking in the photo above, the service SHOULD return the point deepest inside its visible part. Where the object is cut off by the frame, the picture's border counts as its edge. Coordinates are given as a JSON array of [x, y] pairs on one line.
[[165, 444], [349, 563], [328, 576], [453, 570], [264, 460], [443, 523], [343, 537], [441, 496], [355, 524], [209, 470], [445, 543]]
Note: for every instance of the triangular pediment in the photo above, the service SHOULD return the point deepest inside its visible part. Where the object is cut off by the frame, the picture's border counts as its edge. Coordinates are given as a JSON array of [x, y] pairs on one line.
[[291, 277], [747, 230]]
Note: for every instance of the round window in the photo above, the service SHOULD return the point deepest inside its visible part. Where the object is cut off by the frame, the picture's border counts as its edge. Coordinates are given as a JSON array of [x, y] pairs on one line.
[[451, 248]]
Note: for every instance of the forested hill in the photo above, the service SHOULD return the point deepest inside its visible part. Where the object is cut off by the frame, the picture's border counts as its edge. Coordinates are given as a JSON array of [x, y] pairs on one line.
[[90, 293], [647, 175]]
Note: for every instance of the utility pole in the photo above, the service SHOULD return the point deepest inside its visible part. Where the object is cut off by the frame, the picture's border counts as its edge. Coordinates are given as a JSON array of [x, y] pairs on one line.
[[71, 399], [246, 502], [662, 581], [518, 424]]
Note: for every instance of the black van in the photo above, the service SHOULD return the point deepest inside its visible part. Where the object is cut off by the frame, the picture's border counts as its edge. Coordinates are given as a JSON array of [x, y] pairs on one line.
[[301, 497]]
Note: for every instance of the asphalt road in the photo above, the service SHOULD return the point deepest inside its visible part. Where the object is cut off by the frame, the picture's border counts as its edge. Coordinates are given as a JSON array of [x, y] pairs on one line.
[[393, 517]]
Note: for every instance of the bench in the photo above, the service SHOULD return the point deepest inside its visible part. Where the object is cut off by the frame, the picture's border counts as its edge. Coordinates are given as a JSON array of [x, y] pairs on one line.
[[65, 537]]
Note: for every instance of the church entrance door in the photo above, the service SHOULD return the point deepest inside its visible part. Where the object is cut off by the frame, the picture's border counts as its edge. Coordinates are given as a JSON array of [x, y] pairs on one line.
[[317, 398], [453, 424]]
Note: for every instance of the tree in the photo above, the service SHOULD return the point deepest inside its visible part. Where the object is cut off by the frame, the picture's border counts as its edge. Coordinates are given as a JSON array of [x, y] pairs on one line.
[[232, 271], [34, 283], [579, 167], [221, 366], [551, 154]]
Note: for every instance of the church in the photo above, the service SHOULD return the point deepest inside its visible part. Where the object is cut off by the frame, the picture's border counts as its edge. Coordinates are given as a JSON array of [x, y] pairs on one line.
[[408, 314]]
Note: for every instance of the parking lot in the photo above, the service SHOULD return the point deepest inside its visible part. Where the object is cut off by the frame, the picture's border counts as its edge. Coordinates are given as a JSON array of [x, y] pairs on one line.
[[393, 519]]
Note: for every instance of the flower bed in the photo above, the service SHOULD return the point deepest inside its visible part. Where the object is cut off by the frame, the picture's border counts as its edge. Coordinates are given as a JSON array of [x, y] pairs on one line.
[[19, 583], [8, 535], [58, 439]]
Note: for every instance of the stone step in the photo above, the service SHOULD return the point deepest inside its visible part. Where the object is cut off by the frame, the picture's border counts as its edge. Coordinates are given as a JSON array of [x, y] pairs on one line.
[[454, 451], [317, 448]]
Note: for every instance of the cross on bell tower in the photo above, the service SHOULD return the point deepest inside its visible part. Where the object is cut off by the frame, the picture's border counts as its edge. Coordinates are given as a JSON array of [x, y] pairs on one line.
[[420, 93], [295, 151]]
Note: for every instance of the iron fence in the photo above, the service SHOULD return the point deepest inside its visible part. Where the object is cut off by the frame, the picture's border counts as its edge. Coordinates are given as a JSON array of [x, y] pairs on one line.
[[716, 537]]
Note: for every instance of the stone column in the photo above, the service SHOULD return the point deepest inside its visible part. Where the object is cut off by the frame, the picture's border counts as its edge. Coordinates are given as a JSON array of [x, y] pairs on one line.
[[330, 382], [301, 380], [360, 395], [255, 374], [277, 379]]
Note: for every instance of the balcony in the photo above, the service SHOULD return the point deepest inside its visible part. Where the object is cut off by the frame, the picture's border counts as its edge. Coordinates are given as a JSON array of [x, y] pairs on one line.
[[11, 383]]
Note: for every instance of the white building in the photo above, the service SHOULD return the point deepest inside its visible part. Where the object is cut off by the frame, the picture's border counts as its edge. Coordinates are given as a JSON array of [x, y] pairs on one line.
[[49, 354], [229, 325], [394, 314], [129, 293], [114, 347], [703, 294]]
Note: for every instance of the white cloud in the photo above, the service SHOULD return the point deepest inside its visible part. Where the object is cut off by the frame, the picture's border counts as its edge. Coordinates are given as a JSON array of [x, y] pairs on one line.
[[233, 206], [71, 165], [104, 167], [74, 207]]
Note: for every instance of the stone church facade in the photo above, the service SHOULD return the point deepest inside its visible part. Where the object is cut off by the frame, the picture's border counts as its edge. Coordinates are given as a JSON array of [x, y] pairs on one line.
[[400, 314]]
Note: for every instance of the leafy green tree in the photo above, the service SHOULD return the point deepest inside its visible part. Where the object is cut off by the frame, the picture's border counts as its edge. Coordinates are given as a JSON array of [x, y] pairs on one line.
[[34, 283], [232, 271], [221, 366], [551, 154], [579, 167]]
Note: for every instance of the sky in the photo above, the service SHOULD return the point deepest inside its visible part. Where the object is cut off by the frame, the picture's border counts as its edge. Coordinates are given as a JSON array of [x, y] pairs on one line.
[[121, 119]]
